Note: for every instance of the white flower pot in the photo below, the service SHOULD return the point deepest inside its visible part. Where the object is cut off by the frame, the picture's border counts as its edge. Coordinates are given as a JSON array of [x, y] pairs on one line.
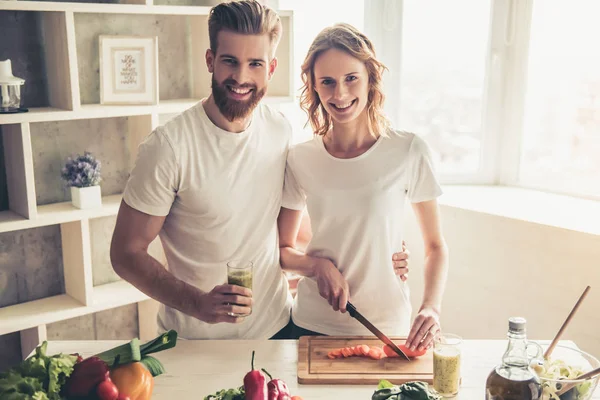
[[86, 197]]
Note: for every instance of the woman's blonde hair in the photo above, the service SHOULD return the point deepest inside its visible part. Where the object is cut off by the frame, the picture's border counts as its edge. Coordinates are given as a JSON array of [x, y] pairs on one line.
[[347, 38]]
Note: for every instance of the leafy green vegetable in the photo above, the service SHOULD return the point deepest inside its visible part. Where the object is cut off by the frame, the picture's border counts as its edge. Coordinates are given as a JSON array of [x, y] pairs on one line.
[[228, 394], [133, 351], [407, 391], [40, 396], [17, 386], [383, 384], [153, 365], [39, 377]]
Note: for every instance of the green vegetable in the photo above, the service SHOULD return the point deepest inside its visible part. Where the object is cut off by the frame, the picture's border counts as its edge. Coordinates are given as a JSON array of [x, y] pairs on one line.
[[39, 377], [162, 342], [407, 391], [132, 351], [552, 371], [153, 365], [123, 354], [228, 394], [383, 384]]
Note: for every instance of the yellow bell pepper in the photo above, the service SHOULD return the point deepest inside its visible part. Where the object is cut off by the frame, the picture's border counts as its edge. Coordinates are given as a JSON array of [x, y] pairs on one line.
[[133, 380]]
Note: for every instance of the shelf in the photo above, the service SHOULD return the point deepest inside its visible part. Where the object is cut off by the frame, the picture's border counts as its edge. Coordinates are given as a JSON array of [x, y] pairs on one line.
[[117, 294], [102, 8], [58, 213], [165, 107], [91, 111], [58, 308], [109, 8]]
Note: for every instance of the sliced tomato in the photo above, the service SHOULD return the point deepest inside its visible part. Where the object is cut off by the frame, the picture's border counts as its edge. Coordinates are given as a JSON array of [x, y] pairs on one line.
[[389, 352], [412, 354], [347, 352], [364, 349], [337, 353], [376, 353]]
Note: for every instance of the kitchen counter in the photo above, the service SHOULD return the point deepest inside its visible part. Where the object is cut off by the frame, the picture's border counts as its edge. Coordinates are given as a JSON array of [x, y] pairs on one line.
[[197, 368]]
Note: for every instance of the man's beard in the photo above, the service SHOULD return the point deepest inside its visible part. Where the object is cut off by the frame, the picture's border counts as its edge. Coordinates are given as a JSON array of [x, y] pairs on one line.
[[235, 109]]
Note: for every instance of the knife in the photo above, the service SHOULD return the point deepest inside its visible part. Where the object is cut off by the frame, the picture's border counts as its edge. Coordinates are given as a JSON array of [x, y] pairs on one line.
[[355, 314]]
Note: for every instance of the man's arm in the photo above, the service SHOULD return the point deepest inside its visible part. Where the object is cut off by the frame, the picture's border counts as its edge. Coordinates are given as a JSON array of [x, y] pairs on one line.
[[129, 256]]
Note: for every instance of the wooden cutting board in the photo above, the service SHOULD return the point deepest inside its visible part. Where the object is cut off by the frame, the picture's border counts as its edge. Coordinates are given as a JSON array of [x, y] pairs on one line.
[[314, 367]]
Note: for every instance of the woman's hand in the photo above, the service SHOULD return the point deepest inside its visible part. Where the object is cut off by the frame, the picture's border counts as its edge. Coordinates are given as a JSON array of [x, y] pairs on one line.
[[332, 285], [400, 262], [425, 329]]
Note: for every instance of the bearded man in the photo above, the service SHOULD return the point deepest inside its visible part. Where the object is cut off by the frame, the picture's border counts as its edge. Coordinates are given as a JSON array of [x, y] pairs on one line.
[[209, 183]]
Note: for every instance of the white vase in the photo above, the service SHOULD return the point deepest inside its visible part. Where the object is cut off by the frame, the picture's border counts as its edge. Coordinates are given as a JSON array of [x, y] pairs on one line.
[[86, 197]]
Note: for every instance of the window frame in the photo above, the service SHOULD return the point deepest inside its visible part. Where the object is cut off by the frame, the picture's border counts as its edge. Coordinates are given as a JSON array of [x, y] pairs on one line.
[[504, 94]]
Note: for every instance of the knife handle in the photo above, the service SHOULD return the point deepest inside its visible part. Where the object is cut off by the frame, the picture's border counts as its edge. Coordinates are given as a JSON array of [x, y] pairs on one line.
[[351, 309]]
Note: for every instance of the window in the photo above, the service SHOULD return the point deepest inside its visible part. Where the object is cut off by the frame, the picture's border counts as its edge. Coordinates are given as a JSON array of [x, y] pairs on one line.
[[505, 92], [310, 17], [561, 128], [442, 78]]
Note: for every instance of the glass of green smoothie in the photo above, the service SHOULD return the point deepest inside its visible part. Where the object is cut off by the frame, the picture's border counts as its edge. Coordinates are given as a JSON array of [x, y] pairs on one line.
[[240, 273]]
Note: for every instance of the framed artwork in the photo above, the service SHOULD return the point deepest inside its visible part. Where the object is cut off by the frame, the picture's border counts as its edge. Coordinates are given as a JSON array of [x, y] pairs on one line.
[[128, 70]]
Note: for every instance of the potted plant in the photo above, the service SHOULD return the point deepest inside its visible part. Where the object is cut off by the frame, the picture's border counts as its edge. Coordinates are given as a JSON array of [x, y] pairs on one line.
[[82, 175]]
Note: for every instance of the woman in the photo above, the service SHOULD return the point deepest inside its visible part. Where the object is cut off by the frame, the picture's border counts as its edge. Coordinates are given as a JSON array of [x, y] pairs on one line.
[[355, 176]]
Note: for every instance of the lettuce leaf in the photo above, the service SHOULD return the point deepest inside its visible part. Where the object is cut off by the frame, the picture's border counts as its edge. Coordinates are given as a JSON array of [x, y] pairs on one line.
[[39, 377], [59, 369], [384, 384], [12, 384]]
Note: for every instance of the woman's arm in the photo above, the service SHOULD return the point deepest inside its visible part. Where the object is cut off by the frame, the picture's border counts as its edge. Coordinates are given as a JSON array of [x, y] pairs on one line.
[[332, 285], [426, 324]]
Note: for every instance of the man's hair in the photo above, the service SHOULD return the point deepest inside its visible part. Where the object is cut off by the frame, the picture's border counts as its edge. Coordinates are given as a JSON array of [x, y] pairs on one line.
[[247, 17]]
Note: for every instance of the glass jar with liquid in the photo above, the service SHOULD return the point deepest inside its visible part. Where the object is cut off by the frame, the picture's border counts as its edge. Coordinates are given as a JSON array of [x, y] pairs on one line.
[[514, 379]]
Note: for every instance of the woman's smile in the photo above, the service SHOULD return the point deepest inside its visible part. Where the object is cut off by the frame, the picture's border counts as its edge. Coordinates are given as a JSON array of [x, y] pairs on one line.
[[342, 108]]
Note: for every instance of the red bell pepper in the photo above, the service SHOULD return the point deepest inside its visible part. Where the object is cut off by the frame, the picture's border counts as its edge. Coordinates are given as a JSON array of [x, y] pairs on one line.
[[277, 389], [255, 384], [86, 375]]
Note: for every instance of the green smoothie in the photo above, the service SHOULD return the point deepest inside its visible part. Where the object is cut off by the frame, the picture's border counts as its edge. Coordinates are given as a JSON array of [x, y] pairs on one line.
[[240, 278]]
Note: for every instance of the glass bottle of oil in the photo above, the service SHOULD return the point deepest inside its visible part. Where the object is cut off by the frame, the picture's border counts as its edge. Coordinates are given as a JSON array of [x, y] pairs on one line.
[[514, 379]]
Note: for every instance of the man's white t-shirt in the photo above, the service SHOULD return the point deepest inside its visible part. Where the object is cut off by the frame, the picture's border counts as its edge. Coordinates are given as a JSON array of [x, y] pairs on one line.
[[356, 210], [221, 193]]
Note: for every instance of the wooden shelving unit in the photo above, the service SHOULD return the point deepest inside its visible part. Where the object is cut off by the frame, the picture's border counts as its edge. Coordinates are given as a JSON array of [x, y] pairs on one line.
[[65, 84]]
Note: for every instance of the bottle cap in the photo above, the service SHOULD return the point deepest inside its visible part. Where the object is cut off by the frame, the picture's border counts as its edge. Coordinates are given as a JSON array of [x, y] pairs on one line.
[[517, 324]]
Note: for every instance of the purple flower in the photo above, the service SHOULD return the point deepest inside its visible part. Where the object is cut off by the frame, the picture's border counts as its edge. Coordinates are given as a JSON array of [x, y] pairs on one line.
[[81, 171]]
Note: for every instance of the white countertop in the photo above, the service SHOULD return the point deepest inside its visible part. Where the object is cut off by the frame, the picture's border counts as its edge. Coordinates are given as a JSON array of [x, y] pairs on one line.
[[197, 368]]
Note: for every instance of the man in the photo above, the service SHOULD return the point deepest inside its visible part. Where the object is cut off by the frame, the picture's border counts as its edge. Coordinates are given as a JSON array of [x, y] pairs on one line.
[[210, 183]]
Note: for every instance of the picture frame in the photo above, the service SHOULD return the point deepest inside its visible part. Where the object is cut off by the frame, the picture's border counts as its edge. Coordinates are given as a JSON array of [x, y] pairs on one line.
[[128, 69]]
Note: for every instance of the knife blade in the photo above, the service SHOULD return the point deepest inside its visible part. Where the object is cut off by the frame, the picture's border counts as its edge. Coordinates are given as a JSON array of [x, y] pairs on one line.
[[360, 318]]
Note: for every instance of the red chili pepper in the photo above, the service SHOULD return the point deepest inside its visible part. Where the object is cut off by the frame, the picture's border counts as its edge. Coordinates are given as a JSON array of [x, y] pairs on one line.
[[277, 389], [255, 384], [85, 376]]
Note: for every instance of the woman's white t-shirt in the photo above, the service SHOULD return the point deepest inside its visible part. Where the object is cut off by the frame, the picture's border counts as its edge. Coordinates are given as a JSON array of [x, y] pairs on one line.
[[356, 208], [221, 194]]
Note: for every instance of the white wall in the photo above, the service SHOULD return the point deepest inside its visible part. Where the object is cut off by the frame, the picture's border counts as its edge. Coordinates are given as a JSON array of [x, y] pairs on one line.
[[501, 267]]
